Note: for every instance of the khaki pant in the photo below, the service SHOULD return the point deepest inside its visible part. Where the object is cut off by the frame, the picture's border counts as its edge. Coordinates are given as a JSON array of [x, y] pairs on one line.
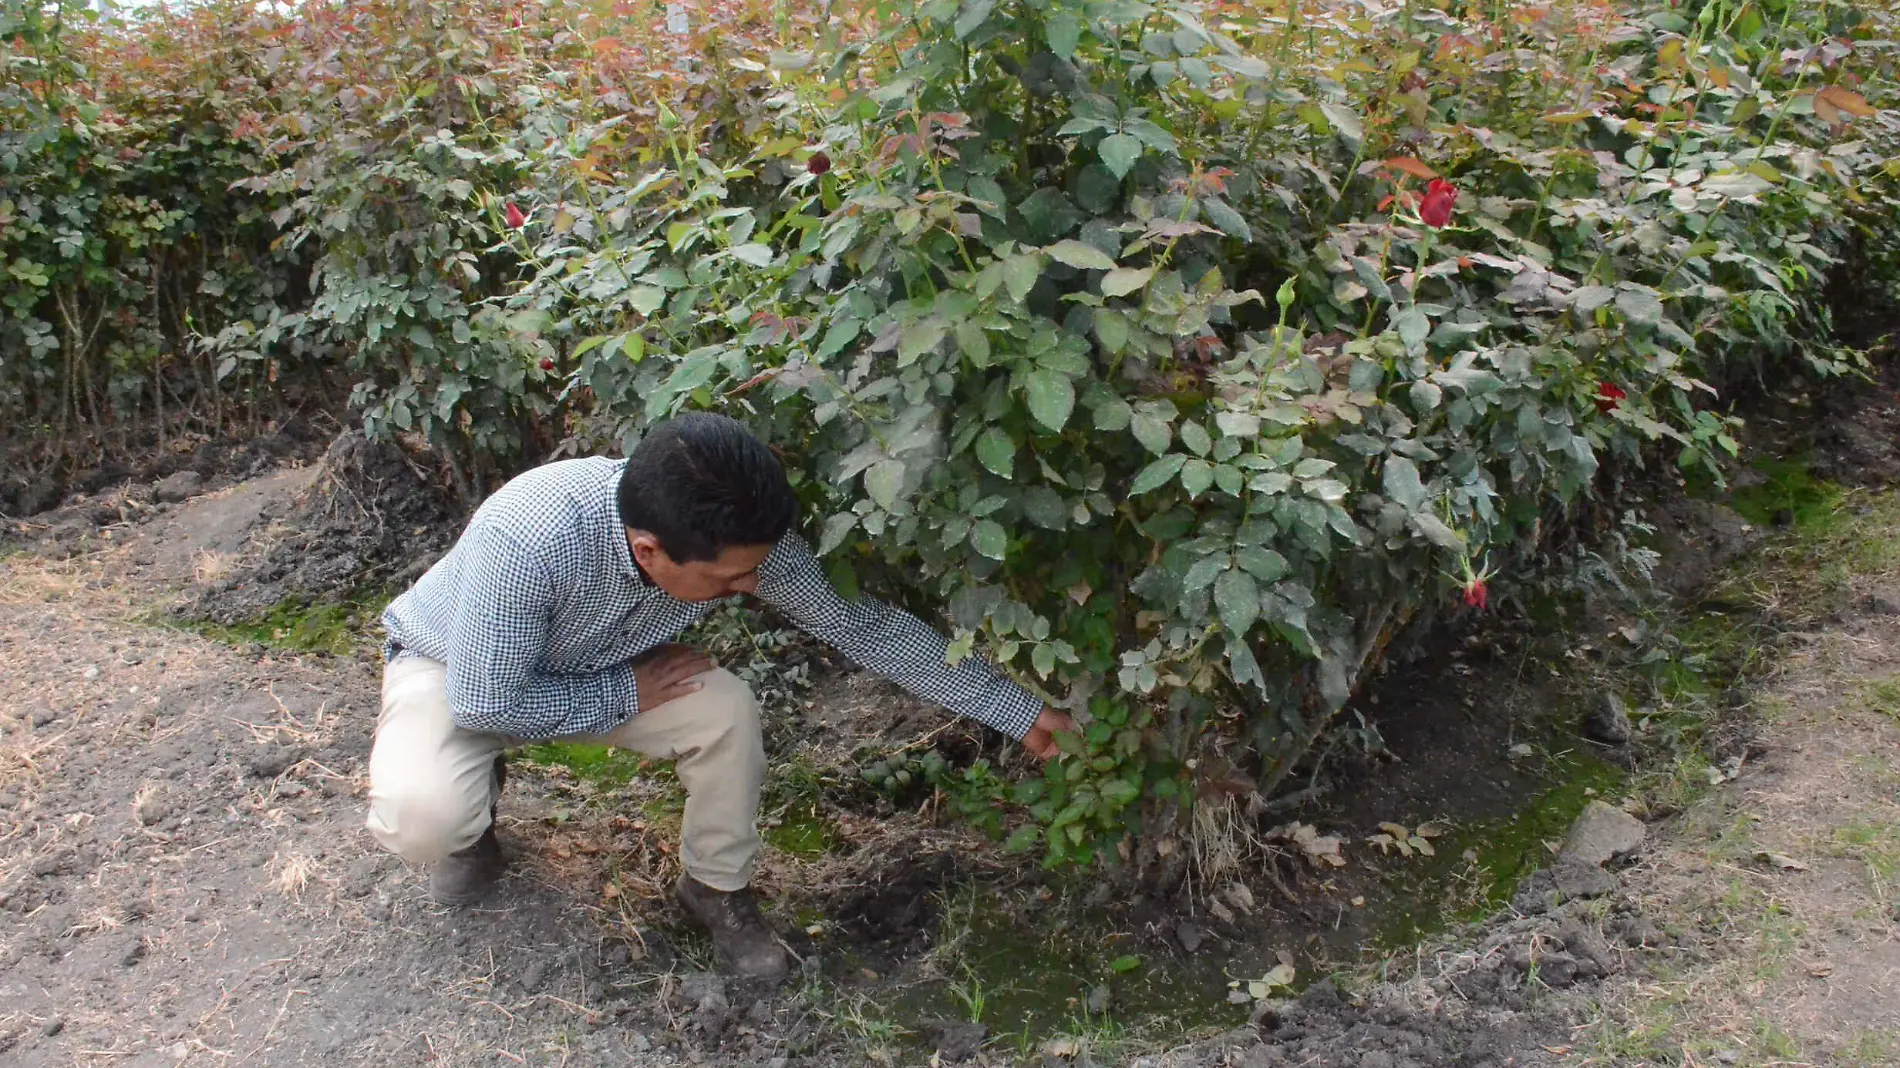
[[432, 784]]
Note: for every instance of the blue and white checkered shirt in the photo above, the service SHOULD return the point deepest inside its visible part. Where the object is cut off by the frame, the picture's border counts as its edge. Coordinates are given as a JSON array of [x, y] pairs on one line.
[[538, 610]]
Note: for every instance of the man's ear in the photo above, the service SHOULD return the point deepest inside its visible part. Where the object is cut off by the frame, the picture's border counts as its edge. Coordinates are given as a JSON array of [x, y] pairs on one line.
[[646, 547]]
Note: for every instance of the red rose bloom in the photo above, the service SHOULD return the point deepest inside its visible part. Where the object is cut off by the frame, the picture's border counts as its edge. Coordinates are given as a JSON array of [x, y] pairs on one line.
[[515, 216], [1476, 593], [1609, 395], [819, 163], [1435, 209], [547, 363]]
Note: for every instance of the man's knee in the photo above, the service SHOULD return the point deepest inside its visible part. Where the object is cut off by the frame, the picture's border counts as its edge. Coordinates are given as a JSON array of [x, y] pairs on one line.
[[729, 701], [426, 819]]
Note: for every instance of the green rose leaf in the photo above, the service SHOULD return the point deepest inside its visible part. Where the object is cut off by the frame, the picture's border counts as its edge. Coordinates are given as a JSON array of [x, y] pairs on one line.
[[1020, 273], [1065, 32], [837, 528], [883, 480], [1152, 431], [1237, 599], [1125, 280], [989, 539], [1156, 474], [1196, 476], [1051, 398], [1119, 153], [1402, 484], [997, 452], [1080, 256], [1263, 564]]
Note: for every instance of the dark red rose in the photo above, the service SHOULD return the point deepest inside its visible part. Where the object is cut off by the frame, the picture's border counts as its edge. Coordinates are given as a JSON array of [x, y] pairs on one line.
[[547, 363], [1609, 395], [819, 163], [1435, 209], [1476, 593], [515, 216]]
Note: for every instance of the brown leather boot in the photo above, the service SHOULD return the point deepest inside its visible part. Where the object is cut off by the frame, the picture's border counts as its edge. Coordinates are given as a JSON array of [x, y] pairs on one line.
[[738, 932], [462, 877]]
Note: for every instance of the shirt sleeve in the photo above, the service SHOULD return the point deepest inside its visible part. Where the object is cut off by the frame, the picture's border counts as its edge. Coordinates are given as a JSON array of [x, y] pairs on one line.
[[498, 633], [891, 642]]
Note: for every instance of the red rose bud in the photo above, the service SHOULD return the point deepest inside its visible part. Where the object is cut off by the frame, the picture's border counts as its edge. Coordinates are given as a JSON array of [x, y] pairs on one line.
[[1476, 593], [819, 163], [547, 363], [515, 216], [1435, 209], [1609, 395]]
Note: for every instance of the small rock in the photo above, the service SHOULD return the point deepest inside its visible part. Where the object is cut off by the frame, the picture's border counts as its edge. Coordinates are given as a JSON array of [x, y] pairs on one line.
[[533, 976], [53, 1026], [1874, 605], [193, 914], [150, 811], [43, 716], [1581, 882], [1727, 1056], [1609, 722], [1099, 998], [1375, 1058], [177, 487], [955, 1040], [91, 672], [1601, 834], [1189, 934]]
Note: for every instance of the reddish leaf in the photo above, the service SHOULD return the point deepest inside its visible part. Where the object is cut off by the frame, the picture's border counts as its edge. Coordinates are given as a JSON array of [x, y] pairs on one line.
[[1413, 167], [1846, 100]]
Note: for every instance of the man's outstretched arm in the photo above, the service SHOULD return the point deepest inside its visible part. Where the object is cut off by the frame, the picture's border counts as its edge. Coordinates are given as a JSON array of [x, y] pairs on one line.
[[902, 648]]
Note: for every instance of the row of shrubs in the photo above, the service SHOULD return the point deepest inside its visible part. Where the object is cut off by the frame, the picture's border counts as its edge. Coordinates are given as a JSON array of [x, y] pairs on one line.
[[1181, 357]]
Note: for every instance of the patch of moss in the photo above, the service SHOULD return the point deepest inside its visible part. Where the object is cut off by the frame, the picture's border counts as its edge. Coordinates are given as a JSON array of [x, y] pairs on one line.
[[1789, 497], [603, 765], [803, 832], [306, 625], [1033, 974], [1478, 867]]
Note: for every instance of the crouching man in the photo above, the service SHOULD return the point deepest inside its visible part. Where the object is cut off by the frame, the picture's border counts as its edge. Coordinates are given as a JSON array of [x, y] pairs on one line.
[[552, 618]]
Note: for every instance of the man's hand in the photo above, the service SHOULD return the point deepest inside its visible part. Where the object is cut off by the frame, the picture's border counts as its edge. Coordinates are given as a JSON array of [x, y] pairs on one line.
[[1041, 739], [669, 673]]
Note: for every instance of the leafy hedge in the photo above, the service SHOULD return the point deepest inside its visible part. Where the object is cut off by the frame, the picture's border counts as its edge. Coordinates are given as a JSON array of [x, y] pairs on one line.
[[1181, 356]]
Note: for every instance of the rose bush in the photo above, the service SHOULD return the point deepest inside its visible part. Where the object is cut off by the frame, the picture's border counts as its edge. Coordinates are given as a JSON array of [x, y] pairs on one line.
[[1162, 356], [1183, 357]]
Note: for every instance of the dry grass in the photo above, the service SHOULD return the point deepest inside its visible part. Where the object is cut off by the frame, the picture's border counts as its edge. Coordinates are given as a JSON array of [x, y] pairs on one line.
[[1787, 879]]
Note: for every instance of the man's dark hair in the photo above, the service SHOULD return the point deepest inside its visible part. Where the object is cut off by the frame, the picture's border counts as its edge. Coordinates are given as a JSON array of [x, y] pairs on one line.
[[701, 484]]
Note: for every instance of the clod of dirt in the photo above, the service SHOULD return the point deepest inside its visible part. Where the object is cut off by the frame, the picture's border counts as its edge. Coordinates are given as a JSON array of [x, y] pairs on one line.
[[178, 487], [954, 1040], [703, 996], [1581, 882], [1609, 722], [272, 761]]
